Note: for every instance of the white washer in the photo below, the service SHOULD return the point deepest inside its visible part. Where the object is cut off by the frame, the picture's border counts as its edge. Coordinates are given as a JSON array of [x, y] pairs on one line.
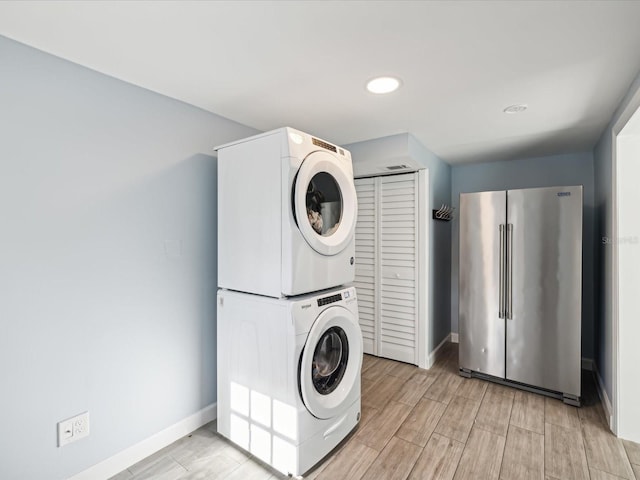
[[287, 212], [288, 374]]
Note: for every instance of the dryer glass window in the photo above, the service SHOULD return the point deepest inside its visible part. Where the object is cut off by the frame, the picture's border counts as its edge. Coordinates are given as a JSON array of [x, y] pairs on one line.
[[330, 360], [324, 204]]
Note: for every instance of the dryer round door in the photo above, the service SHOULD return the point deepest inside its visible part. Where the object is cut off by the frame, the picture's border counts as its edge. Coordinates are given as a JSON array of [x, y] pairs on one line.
[[325, 203], [331, 362]]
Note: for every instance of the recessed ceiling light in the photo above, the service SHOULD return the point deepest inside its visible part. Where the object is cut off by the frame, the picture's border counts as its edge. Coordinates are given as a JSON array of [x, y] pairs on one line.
[[383, 85], [515, 108]]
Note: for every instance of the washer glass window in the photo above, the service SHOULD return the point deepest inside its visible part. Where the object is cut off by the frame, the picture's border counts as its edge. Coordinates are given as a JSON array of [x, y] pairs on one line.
[[330, 360], [324, 204]]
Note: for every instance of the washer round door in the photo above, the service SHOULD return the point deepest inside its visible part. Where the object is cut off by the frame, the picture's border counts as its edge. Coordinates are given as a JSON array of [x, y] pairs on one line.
[[325, 203], [331, 361]]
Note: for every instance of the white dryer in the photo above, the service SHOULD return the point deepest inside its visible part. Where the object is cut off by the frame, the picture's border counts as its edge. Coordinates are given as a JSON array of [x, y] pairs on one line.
[[287, 212], [288, 374]]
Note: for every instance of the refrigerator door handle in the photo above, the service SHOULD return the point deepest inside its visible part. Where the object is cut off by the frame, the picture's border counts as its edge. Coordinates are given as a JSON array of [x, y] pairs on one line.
[[501, 312], [509, 273]]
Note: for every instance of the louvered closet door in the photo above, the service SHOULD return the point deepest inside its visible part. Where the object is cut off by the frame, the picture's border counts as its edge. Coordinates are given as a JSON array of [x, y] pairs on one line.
[[398, 259], [386, 258], [365, 281]]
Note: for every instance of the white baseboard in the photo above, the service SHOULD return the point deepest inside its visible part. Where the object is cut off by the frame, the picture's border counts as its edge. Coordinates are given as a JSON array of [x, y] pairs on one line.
[[454, 337], [604, 398], [434, 354], [124, 459]]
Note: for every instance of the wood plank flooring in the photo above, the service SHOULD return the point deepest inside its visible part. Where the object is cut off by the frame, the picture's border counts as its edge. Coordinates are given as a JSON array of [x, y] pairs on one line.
[[432, 425]]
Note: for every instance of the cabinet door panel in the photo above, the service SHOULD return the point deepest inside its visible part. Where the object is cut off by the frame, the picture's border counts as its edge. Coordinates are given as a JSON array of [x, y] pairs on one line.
[[386, 271], [398, 256], [366, 260]]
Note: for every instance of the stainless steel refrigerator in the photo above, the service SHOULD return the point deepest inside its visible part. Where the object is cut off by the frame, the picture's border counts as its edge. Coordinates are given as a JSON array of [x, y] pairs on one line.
[[520, 285]]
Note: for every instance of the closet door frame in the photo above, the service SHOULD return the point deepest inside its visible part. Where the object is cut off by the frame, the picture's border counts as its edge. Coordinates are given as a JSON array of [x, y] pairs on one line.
[[423, 260]]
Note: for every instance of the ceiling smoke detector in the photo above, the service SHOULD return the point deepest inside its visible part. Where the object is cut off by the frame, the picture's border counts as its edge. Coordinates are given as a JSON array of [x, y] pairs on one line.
[[382, 85], [515, 108]]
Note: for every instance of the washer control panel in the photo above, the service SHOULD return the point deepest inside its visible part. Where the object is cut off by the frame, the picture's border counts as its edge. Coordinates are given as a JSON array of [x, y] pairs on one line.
[[330, 299]]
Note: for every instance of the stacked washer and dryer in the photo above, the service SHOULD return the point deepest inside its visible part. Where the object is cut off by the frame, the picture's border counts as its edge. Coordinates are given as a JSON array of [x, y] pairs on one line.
[[289, 342]]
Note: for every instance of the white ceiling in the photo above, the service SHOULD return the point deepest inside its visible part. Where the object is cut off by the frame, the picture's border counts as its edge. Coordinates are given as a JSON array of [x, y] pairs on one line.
[[268, 64]]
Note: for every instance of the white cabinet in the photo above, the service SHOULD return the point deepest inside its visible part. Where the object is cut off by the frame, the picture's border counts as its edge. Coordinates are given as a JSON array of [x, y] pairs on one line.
[[392, 265]]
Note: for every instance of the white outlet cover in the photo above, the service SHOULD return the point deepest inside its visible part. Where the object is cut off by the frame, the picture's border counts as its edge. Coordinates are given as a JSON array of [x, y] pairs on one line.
[[73, 429]]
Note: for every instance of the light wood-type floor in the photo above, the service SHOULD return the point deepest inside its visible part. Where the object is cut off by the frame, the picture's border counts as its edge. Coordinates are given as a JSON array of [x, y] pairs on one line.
[[432, 424]]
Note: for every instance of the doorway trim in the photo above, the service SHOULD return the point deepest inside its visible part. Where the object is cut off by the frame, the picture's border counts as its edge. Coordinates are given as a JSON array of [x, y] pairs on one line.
[[632, 106]]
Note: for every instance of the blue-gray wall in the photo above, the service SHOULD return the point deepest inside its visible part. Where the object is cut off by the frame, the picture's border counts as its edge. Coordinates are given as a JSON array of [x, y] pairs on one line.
[[403, 146], [571, 169], [107, 261], [604, 196]]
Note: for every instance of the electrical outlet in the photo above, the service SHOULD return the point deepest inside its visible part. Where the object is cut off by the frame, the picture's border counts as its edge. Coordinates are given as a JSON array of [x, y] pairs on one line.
[[73, 429]]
